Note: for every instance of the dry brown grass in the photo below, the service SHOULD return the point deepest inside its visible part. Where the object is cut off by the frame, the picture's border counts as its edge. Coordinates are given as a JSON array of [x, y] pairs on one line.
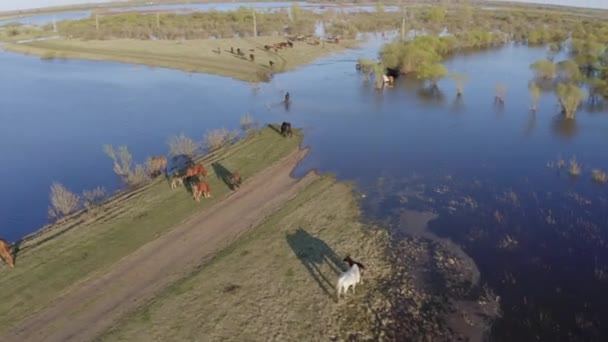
[[190, 55], [276, 283]]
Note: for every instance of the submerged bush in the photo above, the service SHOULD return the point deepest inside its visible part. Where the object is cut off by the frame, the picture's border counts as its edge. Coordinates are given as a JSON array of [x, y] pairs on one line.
[[599, 176], [575, 168]]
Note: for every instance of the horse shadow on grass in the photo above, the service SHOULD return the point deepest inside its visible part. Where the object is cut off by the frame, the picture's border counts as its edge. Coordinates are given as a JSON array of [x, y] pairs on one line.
[[223, 174], [313, 253]]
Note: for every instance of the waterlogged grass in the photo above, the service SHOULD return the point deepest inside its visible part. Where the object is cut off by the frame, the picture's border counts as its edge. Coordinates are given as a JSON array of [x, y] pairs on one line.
[[59, 257], [270, 284], [211, 56]]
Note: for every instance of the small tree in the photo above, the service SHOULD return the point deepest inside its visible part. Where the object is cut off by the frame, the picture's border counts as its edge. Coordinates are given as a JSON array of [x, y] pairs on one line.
[[63, 201], [182, 146], [544, 69], [379, 70], [570, 97], [501, 92], [432, 72], [217, 138], [93, 198], [122, 159], [460, 80], [535, 94], [569, 71]]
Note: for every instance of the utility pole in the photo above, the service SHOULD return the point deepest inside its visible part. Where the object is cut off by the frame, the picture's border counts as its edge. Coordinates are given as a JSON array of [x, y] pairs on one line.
[[96, 21], [157, 20], [403, 21], [54, 25], [255, 26]]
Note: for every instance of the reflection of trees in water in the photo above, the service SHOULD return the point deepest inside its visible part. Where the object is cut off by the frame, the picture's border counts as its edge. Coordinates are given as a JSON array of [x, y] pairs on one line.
[[531, 124], [542, 252], [431, 95], [565, 128]]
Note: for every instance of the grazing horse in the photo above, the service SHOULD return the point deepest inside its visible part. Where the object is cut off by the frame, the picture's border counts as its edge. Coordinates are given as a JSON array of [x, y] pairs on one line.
[[271, 63], [235, 180], [290, 44], [201, 189], [5, 253], [349, 278], [196, 170], [252, 57], [157, 165], [286, 129]]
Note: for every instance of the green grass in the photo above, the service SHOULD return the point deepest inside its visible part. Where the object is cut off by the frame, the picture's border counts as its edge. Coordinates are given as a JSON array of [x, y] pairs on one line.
[[259, 288], [190, 55], [44, 269]]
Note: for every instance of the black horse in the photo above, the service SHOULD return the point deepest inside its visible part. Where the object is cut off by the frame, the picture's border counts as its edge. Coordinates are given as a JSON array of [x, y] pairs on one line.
[[286, 129], [287, 97]]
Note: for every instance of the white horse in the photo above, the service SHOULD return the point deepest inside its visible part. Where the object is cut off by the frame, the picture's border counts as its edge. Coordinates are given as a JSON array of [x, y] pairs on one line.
[[349, 278]]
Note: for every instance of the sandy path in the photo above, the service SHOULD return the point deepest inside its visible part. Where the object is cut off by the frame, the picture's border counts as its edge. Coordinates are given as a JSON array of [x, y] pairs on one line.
[[99, 302]]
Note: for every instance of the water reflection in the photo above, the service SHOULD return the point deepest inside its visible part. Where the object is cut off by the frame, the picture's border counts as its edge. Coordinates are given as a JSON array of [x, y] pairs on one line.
[[564, 128]]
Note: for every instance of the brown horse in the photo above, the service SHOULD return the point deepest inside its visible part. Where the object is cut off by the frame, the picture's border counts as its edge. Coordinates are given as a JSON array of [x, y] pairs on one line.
[[5, 253], [157, 165], [196, 170], [235, 180], [201, 189]]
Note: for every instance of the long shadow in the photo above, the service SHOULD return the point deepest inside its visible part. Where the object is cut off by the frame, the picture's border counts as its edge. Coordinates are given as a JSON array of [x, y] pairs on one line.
[[16, 248], [275, 128], [222, 173], [313, 253]]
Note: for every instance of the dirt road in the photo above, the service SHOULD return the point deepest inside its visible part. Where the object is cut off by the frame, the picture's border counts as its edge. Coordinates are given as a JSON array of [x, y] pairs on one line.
[[99, 302]]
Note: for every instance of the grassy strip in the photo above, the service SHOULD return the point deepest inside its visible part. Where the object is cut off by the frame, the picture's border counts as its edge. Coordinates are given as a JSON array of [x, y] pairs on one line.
[[191, 55], [275, 283], [59, 257]]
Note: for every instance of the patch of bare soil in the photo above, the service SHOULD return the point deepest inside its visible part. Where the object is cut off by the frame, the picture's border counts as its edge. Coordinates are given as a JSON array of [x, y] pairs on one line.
[[100, 301]]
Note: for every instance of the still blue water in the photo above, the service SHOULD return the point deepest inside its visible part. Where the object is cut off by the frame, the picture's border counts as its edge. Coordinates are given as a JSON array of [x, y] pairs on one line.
[[55, 116]]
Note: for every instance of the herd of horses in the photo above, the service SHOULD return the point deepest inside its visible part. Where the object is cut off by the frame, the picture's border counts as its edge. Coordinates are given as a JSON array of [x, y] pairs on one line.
[[195, 175]]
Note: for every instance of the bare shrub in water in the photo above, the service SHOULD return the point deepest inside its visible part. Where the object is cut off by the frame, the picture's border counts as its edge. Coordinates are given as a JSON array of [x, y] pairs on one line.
[[123, 167], [182, 145], [63, 201], [501, 92], [599, 176], [217, 138], [575, 167], [460, 80]]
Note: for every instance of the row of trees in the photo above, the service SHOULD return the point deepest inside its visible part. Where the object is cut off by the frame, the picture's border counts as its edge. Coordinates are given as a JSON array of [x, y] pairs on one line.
[[587, 67], [64, 202], [244, 22]]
